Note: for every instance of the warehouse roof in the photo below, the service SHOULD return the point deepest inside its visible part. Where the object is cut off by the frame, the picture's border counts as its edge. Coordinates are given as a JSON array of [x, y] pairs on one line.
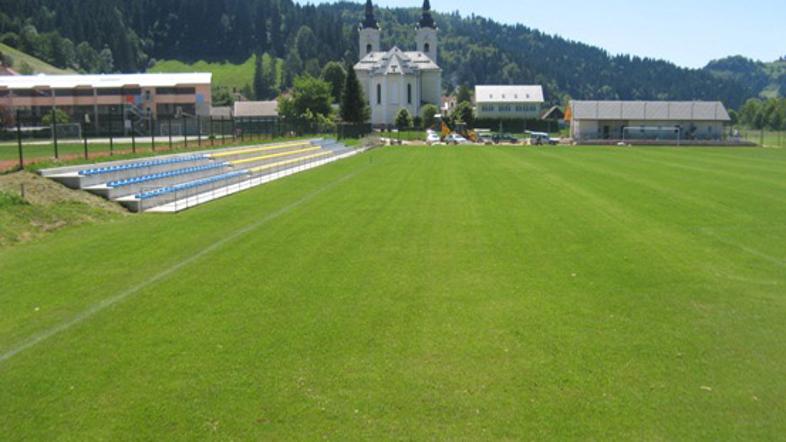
[[650, 110], [509, 94], [103, 81]]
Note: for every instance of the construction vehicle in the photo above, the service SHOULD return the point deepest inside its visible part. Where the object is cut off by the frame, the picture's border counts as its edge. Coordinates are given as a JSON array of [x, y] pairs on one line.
[[457, 128]]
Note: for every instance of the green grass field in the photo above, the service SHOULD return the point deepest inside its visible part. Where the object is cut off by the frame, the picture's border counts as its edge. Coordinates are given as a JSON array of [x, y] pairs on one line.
[[411, 293]]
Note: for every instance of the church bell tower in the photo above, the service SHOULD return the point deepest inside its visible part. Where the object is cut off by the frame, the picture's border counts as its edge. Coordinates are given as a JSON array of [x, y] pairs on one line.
[[427, 33], [369, 33]]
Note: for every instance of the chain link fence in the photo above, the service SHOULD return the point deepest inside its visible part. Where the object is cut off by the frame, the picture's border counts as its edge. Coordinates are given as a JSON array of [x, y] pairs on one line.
[[764, 138], [24, 139]]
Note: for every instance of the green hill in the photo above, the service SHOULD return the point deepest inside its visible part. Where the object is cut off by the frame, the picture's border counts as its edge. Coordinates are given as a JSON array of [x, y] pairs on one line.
[[768, 80], [235, 77], [27, 64], [124, 35]]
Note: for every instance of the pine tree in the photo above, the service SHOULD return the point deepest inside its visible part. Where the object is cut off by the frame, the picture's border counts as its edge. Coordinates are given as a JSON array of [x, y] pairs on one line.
[[335, 74], [403, 119], [354, 108], [261, 86]]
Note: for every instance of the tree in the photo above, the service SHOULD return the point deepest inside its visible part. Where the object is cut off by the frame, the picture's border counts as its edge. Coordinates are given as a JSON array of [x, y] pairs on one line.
[[463, 95], [306, 43], [354, 107], [775, 119], [335, 74], [106, 63], [222, 96], [6, 60], [428, 112], [293, 66], [734, 116], [262, 88], [749, 111], [464, 113], [60, 117], [86, 57], [403, 119], [311, 67], [310, 99]]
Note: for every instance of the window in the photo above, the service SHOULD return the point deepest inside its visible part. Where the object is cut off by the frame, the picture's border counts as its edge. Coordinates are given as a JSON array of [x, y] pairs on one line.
[[24, 93], [175, 90], [409, 94], [3, 93], [369, 48], [132, 91], [487, 108], [109, 92], [83, 92], [504, 108], [379, 94], [427, 48]]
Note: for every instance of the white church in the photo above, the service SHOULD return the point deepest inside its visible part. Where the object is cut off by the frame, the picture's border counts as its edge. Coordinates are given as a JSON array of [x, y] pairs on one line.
[[395, 79]]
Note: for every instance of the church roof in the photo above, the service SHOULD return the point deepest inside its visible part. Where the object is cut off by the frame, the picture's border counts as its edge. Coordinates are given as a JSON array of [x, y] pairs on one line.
[[396, 61]]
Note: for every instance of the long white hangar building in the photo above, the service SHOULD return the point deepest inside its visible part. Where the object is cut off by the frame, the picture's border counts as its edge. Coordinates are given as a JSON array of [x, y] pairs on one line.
[[697, 121]]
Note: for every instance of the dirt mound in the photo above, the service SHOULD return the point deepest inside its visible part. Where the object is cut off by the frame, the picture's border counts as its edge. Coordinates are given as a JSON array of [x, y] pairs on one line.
[[39, 191], [46, 207]]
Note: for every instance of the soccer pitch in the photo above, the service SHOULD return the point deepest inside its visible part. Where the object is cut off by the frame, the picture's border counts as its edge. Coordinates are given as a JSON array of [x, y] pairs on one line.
[[414, 293]]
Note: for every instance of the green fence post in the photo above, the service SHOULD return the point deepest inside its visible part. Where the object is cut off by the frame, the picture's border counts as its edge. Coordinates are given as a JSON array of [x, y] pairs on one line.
[[84, 138], [54, 133], [19, 140]]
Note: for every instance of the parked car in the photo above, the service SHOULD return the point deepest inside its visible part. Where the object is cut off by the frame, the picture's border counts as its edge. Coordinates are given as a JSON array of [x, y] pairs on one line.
[[504, 138], [485, 139], [432, 138], [541, 138], [456, 139]]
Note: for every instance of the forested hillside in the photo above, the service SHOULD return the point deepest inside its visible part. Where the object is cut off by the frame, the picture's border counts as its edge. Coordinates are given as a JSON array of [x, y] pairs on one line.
[[767, 79], [128, 35]]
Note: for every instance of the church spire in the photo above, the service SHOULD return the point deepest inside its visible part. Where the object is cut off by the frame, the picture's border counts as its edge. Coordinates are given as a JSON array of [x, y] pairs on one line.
[[426, 20], [370, 22]]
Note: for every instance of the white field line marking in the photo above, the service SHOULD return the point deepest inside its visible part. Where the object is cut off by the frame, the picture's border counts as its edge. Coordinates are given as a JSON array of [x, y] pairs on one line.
[[749, 250], [108, 302]]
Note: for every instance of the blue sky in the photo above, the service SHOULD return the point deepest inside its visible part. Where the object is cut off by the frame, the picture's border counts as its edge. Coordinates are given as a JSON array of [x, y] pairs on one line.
[[687, 32]]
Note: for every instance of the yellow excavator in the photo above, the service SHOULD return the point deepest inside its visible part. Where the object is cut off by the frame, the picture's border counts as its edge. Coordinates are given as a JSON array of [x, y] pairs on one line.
[[459, 128]]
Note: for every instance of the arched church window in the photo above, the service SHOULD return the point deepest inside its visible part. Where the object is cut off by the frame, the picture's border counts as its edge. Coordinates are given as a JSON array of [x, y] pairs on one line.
[[379, 94], [427, 48], [368, 48], [409, 94]]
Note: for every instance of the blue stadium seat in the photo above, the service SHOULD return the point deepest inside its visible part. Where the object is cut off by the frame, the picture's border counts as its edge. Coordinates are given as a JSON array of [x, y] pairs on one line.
[[190, 185], [162, 175], [140, 165]]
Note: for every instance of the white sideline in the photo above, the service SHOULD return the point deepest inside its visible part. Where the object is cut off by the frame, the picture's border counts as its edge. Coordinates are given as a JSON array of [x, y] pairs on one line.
[[108, 302], [202, 198]]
